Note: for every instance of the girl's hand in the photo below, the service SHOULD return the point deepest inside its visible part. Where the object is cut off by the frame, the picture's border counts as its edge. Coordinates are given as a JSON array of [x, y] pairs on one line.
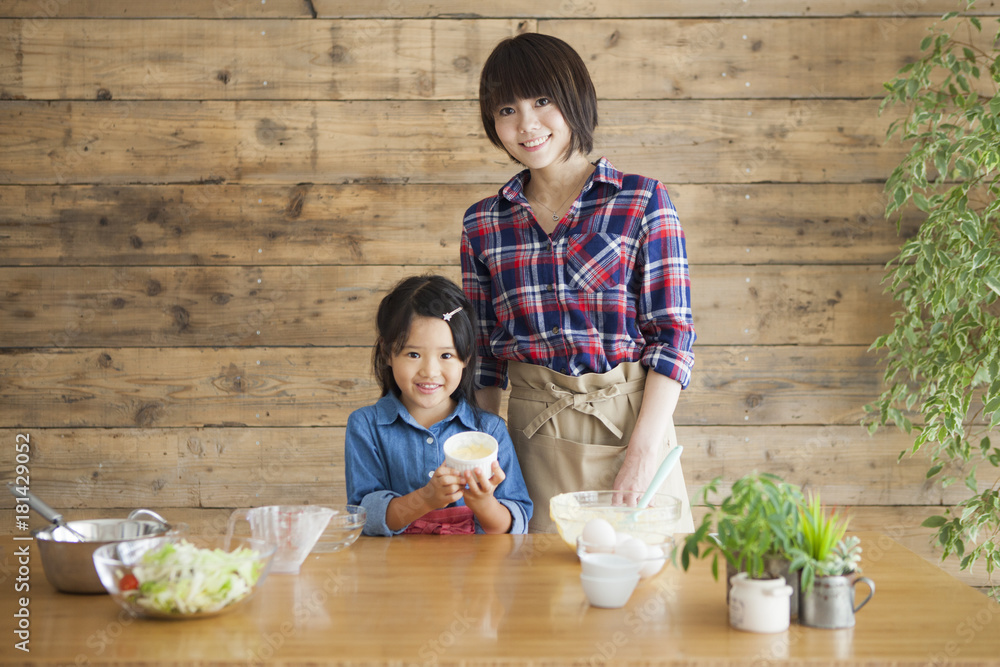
[[445, 487], [493, 517], [480, 486]]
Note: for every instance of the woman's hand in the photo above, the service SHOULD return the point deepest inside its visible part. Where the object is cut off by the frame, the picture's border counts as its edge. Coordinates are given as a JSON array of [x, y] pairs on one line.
[[638, 468], [642, 456], [491, 514]]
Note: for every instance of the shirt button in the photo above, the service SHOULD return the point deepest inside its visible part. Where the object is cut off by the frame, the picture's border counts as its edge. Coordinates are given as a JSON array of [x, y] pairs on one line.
[[430, 441], [555, 330]]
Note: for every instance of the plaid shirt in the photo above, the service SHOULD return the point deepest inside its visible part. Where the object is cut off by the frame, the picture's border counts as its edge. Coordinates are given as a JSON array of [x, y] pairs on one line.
[[610, 285]]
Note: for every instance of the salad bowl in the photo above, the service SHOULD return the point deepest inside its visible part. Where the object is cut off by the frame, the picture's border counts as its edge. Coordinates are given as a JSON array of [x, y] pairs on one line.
[[179, 577]]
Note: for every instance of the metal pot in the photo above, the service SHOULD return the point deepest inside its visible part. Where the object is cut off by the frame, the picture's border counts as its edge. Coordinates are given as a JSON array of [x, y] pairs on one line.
[[68, 562]]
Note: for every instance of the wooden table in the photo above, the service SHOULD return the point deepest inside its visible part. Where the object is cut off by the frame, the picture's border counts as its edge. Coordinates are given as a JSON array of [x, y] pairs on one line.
[[500, 600]]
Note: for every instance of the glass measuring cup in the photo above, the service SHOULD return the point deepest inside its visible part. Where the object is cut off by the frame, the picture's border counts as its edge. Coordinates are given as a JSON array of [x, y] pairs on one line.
[[293, 529]]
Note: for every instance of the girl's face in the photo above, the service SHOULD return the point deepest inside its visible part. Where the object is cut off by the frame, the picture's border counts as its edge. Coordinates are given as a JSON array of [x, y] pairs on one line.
[[533, 131], [428, 370]]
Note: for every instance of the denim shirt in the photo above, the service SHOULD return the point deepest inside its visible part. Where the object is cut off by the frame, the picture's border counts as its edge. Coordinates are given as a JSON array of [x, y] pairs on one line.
[[388, 454]]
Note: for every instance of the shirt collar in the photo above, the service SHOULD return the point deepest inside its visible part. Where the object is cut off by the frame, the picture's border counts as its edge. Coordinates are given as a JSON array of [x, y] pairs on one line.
[[389, 408], [513, 190]]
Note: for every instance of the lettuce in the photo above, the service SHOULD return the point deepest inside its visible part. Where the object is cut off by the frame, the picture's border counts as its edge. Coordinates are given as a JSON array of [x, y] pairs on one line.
[[180, 578]]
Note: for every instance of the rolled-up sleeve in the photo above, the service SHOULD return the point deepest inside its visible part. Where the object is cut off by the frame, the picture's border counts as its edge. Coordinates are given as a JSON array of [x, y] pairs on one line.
[[664, 305], [477, 285]]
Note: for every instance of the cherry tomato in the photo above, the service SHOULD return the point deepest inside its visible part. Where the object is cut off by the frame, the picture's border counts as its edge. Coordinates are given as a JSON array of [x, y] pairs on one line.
[[128, 583]]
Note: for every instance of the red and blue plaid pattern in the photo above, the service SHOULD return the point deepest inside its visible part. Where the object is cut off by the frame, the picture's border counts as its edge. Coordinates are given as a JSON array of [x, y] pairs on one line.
[[610, 285]]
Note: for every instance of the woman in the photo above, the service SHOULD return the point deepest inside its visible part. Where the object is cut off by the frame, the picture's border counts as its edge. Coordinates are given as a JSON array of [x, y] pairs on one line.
[[579, 276]]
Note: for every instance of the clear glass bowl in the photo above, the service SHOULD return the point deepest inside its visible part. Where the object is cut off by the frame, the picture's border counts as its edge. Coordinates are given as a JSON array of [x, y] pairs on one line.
[[178, 577], [343, 530], [653, 524]]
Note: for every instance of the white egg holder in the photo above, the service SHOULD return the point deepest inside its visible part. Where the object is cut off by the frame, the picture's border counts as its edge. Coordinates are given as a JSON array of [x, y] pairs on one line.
[[613, 563]]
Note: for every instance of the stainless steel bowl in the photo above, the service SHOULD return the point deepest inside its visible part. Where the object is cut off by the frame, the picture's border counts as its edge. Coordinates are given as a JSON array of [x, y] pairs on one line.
[[69, 563]]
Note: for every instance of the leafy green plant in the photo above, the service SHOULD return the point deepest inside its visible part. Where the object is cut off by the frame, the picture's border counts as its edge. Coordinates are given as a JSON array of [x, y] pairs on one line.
[[759, 519], [823, 550], [943, 353]]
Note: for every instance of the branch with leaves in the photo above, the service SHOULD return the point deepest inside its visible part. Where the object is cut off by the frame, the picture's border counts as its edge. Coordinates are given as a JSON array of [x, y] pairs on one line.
[[942, 377]]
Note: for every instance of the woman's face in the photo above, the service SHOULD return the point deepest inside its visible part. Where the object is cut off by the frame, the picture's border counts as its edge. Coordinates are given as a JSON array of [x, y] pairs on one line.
[[533, 131]]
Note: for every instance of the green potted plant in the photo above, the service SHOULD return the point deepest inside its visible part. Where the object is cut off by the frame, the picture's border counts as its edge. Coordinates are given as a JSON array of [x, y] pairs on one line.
[[753, 530], [830, 565], [942, 374], [822, 549]]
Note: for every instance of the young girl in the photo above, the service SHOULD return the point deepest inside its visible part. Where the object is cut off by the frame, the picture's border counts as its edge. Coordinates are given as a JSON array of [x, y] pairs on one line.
[[424, 360], [579, 277]]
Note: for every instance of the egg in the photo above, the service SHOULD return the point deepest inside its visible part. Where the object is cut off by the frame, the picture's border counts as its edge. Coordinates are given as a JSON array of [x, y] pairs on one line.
[[599, 534], [619, 538], [655, 559], [632, 548]]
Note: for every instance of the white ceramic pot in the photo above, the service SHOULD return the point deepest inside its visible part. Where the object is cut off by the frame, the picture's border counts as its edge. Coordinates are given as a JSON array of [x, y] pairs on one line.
[[776, 566], [759, 605]]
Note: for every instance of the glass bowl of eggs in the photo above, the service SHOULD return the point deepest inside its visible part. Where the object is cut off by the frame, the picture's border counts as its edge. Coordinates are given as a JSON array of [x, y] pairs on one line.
[[604, 551], [612, 563]]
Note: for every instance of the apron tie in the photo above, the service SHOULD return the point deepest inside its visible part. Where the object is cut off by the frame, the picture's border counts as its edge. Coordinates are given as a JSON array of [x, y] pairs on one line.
[[581, 403]]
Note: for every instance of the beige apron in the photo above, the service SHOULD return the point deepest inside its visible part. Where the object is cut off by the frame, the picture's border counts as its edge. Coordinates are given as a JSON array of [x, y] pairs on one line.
[[571, 433]]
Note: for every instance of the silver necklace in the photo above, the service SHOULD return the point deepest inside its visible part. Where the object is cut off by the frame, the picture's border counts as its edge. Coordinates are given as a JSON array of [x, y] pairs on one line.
[[555, 215]]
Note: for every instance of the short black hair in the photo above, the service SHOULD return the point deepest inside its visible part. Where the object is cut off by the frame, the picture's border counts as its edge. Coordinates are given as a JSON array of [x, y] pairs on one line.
[[424, 296], [534, 65]]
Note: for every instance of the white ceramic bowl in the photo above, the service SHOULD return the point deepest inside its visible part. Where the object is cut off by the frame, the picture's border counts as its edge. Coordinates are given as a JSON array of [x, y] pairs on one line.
[[608, 592], [607, 565], [653, 524], [471, 450], [597, 561]]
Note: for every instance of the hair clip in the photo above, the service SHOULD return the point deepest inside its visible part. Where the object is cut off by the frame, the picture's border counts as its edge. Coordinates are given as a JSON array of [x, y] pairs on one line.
[[447, 316]]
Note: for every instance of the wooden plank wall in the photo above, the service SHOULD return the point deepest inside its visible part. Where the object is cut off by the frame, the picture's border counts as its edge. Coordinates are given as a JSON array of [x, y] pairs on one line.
[[202, 203]]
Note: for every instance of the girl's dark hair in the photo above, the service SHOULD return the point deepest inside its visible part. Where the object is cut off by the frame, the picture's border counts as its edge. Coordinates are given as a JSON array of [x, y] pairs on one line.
[[531, 65], [426, 296]]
